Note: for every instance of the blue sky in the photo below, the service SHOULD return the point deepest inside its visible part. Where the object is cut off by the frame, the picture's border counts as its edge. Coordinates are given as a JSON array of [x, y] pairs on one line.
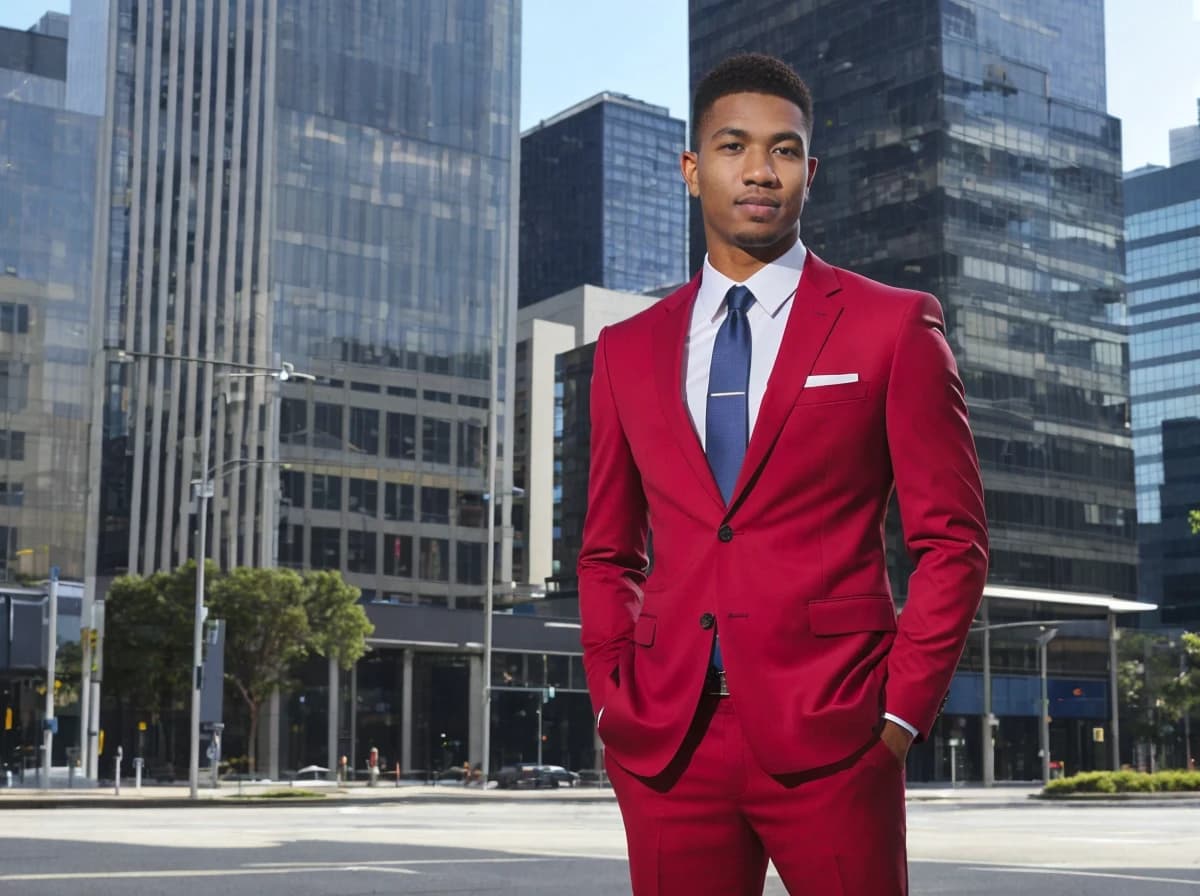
[[639, 47]]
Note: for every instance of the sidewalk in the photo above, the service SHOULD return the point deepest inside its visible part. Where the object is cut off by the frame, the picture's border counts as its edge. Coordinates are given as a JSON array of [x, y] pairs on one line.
[[252, 794]]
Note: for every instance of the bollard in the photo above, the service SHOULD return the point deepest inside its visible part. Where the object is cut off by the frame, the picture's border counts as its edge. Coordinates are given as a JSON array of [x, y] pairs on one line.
[[8, 778], [138, 762], [117, 776]]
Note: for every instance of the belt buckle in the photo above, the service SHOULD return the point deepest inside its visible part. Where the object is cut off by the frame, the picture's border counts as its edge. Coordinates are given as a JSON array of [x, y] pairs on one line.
[[715, 684]]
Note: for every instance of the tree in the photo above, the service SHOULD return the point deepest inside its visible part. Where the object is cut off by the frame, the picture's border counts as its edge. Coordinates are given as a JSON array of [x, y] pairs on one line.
[[148, 641], [338, 625], [1154, 693], [266, 633], [1194, 521]]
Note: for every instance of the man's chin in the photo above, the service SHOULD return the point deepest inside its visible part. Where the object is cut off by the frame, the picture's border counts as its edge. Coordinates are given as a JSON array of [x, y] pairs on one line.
[[757, 240]]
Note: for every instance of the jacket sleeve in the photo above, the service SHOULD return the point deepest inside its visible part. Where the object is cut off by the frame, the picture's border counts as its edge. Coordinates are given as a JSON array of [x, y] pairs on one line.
[[612, 560], [942, 512]]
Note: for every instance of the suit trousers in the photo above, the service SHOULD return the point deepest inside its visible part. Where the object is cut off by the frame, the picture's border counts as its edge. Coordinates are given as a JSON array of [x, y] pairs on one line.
[[707, 825]]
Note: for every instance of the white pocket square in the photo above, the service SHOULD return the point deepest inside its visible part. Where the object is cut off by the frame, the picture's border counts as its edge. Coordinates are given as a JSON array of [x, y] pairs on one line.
[[830, 379]]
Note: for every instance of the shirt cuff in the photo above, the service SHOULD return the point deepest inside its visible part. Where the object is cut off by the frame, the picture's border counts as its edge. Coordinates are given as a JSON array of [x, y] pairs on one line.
[[903, 724]]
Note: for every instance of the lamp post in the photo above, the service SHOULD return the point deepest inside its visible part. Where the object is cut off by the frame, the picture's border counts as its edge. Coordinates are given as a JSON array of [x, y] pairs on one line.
[[203, 491], [1043, 641]]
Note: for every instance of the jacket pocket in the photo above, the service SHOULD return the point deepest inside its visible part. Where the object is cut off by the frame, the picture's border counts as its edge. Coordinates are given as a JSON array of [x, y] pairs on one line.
[[836, 392], [847, 615]]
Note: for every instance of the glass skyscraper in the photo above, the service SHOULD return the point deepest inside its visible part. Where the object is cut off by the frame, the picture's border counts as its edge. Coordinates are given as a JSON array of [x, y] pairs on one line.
[[602, 202], [965, 150], [47, 177], [1162, 264]]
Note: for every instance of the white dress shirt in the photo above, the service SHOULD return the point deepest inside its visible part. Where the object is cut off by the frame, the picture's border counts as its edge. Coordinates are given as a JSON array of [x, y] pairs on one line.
[[774, 287]]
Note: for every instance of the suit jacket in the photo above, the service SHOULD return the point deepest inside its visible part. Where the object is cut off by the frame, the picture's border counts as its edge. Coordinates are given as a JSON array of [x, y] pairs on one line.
[[792, 573]]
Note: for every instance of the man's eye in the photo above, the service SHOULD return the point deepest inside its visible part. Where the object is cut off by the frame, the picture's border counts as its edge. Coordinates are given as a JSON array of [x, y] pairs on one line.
[[787, 151], [732, 146]]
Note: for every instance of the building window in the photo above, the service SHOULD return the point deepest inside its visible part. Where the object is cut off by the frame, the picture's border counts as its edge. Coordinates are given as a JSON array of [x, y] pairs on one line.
[[293, 421], [327, 426], [14, 385], [12, 494], [326, 550], [397, 555], [14, 317], [470, 562], [326, 492], [291, 546], [291, 487], [435, 505], [360, 551], [435, 440], [435, 559], [471, 441], [364, 430], [472, 510], [402, 436], [12, 445], [364, 496], [397, 501]]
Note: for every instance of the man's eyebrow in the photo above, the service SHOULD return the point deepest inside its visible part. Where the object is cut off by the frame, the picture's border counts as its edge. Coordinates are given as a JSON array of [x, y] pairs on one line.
[[741, 134]]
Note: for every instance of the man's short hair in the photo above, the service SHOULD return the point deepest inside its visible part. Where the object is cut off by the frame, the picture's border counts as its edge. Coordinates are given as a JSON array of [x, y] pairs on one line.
[[750, 73]]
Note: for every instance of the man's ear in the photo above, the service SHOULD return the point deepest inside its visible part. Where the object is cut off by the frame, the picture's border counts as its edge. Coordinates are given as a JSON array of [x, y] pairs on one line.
[[689, 167]]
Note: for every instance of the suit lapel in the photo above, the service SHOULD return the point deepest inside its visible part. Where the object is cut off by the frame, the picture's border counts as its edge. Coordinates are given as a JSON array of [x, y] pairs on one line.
[[814, 312], [670, 333]]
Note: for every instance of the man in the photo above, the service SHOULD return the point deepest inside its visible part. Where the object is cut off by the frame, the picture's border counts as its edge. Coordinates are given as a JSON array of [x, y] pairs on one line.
[[754, 692]]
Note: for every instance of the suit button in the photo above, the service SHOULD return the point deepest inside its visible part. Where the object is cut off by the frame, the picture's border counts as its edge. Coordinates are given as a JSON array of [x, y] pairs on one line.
[[725, 533], [708, 620]]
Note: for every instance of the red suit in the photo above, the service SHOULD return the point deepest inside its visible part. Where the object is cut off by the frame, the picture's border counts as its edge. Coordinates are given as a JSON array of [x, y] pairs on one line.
[[792, 573]]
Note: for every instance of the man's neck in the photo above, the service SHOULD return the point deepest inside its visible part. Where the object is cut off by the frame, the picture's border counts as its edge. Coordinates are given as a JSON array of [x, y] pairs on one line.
[[739, 264]]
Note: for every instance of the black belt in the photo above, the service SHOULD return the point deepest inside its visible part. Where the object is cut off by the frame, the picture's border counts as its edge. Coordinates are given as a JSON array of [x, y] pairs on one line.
[[714, 683]]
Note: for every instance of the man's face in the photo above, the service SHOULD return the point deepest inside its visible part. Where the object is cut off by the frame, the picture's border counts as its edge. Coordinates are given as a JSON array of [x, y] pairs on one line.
[[751, 172]]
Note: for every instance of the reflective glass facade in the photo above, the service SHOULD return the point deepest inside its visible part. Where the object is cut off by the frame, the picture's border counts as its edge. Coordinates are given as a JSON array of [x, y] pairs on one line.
[[1162, 252], [601, 199], [965, 150], [394, 152], [47, 178]]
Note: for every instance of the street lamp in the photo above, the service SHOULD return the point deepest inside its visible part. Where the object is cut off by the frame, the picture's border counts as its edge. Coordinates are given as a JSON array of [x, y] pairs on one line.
[[1043, 640], [203, 491]]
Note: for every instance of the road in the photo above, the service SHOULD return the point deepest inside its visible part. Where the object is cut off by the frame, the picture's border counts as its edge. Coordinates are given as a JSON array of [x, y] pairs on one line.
[[541, 847]]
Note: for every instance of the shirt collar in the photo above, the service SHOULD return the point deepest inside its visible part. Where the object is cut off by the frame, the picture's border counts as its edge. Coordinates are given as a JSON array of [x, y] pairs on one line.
[[772, 284]]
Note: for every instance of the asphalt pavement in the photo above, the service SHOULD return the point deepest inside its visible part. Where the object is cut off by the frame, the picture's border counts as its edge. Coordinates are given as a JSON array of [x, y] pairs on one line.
[[555, 843]]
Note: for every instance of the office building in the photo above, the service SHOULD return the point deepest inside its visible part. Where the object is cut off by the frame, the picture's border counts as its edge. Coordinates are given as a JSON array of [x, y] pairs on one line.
[[545, 330], [602, 201], [335, 188], [47, 178], [1185, 142], [1162, 265], [965, 150]]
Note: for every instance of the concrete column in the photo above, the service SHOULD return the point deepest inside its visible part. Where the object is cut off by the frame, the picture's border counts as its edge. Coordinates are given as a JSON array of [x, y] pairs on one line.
[[406, 712], [475, 711], [332, 734], [1114, 730], [273, 707], [987, 744]]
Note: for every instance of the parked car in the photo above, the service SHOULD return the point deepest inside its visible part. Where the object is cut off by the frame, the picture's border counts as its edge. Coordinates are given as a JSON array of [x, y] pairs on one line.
[[525, 777], [560, 775]]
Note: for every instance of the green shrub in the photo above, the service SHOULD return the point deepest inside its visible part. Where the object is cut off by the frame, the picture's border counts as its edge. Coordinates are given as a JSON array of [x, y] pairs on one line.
[[1174, 781]]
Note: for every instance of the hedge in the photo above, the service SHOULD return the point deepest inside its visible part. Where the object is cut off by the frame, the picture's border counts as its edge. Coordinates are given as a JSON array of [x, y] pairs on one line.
[[1175, 781]]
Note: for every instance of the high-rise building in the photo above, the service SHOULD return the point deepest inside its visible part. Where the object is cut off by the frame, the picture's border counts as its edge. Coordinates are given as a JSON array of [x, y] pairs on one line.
[[331, 186], [1162, 264], [602, 202], [1185, 142], [965, 150], [47, 176]]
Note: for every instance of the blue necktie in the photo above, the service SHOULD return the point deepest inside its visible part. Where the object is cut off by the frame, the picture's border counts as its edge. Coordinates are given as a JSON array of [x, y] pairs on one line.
[[727, 419]]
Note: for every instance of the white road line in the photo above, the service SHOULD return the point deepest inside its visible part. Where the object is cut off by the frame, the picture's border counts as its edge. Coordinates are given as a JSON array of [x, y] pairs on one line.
[[1065, 873], [499, 860]]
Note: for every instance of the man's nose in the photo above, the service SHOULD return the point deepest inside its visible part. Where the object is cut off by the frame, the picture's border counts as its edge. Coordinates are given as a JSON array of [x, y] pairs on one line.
[[758, 168]]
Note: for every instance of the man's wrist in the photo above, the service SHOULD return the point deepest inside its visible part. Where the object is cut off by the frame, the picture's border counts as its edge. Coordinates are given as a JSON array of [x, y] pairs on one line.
[[911, 729]]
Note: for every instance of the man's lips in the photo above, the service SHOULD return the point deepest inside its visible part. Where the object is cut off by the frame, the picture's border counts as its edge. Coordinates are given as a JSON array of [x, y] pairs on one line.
[[758, 203]]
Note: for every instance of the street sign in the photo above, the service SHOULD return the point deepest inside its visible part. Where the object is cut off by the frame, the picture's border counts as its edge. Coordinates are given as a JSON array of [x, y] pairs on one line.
[[1098, 735]]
